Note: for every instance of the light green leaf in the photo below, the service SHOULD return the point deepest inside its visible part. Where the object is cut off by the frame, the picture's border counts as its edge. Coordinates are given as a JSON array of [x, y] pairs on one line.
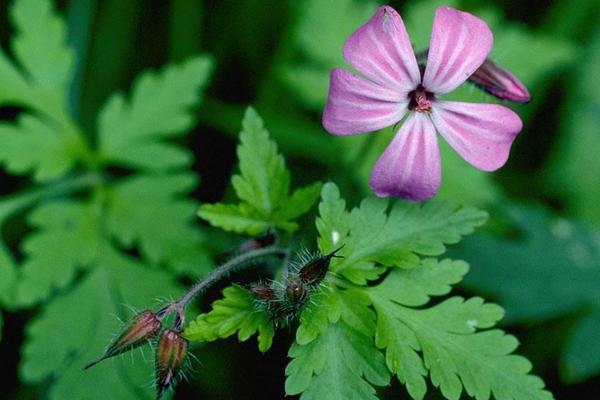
[[333, 222], [263, 185], [394, 238], [264, 181], [239, 218], [40, 45], [133, 133], [452, 350], [341, 363], [300, 202], [558, 260], [235, 312], [150, 211], [38, 146], [67, 238], [573, 172], [75, 328]]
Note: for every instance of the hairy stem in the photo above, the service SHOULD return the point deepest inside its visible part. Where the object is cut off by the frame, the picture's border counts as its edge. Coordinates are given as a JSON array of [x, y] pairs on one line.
[[221, 272]]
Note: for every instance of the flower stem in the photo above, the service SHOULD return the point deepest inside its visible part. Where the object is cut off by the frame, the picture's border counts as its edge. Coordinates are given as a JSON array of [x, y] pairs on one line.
[[217, 274]]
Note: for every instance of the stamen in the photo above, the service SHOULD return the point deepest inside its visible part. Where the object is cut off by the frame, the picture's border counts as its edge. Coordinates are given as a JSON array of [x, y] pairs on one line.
[[420, 100]]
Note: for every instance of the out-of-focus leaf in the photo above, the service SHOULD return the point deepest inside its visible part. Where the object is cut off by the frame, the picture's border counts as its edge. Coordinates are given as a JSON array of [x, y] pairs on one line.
[[67, 238], [573, 172], [148, 211], [75, 327], [551, 269], [133, 133], [38, 146]]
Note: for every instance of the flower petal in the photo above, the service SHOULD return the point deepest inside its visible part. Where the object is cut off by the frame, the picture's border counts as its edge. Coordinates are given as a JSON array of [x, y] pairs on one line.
[[459, 44], [381, 50], [356, 105], [410, 167], [481, 133]]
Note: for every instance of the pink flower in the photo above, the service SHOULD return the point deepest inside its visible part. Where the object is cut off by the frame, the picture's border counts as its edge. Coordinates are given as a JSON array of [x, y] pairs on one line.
[[410, 167]]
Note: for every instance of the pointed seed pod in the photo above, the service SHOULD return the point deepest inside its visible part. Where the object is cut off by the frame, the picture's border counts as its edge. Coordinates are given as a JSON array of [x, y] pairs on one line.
[[315, 270], [143, 327], [261, 290], [170, 355], [500, 83]]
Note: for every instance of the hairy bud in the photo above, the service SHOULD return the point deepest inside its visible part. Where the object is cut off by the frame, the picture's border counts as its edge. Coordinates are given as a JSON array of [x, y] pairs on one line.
[[500, 83], [137, 332], [261, 290], [314, 271], [170, 355]]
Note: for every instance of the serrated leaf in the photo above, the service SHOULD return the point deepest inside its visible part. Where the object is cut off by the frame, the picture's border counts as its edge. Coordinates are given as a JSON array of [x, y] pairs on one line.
[[67, 238], [333, 222], [40, 44], [263, 185], [452, 349], [239, 218], [38, 146], [557, 260], [235, 312], [394, 238], [341, 363], [264, 181], [75, 328], [132, 132], [149, 211]]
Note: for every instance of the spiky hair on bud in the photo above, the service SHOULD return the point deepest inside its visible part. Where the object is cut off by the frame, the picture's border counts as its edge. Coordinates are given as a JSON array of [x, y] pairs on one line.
[[284, 301], [171, 352], [138, 331]]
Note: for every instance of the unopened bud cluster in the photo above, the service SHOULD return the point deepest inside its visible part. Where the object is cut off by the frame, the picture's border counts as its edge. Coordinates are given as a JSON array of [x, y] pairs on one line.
[[170, 350], [284, 301]]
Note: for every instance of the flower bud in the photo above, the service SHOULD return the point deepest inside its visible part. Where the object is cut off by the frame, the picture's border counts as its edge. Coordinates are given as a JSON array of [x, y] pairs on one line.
[[170, 354], [500, 83], [137, 332], [261, 290], [315, 270]]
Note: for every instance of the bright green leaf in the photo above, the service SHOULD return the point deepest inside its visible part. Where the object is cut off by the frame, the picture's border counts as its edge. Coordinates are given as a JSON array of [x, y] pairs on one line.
[[341, 363], [235, 312], [263, 185], [452, 350]]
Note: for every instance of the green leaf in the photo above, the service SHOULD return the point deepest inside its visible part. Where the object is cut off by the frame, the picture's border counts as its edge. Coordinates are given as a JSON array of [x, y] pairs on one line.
[[454, 352], [133, 133], [573, 171], [40, 45], [66, 239], [558, 260], [75, 328], [239, 218], [394, 238], [341, 363], [333, 222], [38, 146], [234, 313], [264, 181], [149, 211], [263, 185]]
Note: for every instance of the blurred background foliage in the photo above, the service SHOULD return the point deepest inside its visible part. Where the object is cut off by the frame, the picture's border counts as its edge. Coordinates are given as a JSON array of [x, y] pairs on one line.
[[539, 256]]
